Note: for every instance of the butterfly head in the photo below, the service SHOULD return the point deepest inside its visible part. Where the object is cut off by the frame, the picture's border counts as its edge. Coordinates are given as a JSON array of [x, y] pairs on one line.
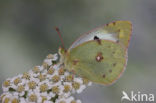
[[62, 53]]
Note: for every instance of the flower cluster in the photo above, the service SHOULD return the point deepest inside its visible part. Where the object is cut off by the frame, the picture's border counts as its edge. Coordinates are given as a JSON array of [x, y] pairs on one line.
[[48, 83]]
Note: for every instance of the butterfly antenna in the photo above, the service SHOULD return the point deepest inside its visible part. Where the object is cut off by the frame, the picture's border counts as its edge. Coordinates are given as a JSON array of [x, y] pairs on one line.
[[58, 32]]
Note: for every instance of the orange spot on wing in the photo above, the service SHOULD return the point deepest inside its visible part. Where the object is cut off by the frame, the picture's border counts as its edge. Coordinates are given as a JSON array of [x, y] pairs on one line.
[[99, 41], [75, 61], [99, 57], [114, 23]]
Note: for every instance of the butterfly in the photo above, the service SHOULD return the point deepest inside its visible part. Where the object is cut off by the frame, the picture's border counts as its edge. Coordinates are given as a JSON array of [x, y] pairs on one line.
[[101, 54]]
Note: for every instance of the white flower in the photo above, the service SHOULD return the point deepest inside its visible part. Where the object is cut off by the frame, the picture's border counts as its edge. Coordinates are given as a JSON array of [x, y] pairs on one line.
[[20, 89], [6, 85], [67, 100], [43, 83], [41, 68], [51, 94], [15, 93], [65, 90], [23, 100], [33, 97], [35, 79], [56, 66], [4, 95], [55, 57], [42, 87], [48, 61], [17, 83], [80, 86], [9, 98], [47, 101]]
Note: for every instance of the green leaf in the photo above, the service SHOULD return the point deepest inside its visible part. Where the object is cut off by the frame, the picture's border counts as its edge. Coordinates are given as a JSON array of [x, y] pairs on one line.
[[12, 90], [25, 94]]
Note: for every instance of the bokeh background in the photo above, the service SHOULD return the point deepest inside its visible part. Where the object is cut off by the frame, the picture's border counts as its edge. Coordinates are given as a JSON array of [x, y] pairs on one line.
[[27, 35]]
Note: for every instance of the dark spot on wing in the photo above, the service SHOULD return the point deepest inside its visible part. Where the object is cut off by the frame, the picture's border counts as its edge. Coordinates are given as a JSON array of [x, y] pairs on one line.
[[96, 38], [114, 64], [104, 76]]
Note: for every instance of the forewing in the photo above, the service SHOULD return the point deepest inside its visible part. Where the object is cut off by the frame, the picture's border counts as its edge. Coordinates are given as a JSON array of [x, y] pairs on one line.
[[119, 31], [101, 63]]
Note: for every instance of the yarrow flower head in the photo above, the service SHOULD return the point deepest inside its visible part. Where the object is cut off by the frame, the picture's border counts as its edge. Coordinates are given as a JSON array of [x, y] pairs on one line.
[[48, 83]]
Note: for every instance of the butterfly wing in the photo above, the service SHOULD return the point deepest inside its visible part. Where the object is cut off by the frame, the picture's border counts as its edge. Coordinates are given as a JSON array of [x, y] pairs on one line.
[[119, 31], [99, 61]]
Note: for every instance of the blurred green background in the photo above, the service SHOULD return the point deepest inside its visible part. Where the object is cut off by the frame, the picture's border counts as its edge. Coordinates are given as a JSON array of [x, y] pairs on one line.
[[27, 35]]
